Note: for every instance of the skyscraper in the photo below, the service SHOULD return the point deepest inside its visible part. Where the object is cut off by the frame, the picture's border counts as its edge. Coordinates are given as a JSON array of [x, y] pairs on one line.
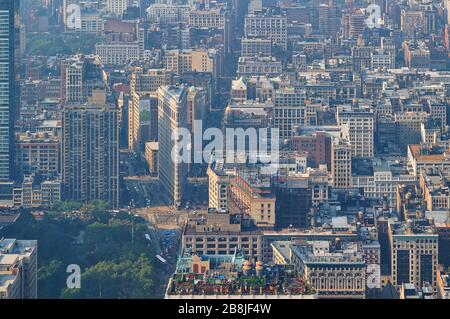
[[90, 153], [329, 19], [341, 163], [9, 48], [172, 115]]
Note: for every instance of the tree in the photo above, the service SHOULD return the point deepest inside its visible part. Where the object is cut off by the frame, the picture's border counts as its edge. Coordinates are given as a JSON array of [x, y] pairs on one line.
[[65, 206], [114, 266], [115, 280]]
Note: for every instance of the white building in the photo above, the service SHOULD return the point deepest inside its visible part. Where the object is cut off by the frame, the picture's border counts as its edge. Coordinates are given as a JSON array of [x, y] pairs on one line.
[[358, 128], [118, 6], [273, 27]]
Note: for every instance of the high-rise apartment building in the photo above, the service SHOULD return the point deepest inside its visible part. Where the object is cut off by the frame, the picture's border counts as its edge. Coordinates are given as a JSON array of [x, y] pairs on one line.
[[172, 115], [90, 153], [74, 81], [80, 75]]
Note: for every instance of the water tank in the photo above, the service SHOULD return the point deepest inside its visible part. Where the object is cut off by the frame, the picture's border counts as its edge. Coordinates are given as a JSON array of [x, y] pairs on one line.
[[259, 268], [246, 268]]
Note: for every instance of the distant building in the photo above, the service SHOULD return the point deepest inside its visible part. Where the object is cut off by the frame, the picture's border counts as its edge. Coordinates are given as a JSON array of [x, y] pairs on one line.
[[253, 194], [422, 158], [259, 66], [90, 153], [223, 277], [142, 120], [289, 111], [222, 233], [81, 74], [32, 193], [382, 59], [416, 56], [317, 146], [414, 253], [341, 164], [38, 153], [359, 130], [334, 272], [218, 186], [9, 104], [123, 42], [251, 47], [328, 19], [443, 283], [182, 61], [208, 19], [168, 13], [436, 191], [172, 115], [91, 22], [271, 26], [117, 6], [18, 269], [293, 202], [410, 291], [151, 155]]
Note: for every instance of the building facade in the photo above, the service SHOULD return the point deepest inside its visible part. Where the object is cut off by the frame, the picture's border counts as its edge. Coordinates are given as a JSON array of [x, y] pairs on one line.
[[90, 153], [172, 116]]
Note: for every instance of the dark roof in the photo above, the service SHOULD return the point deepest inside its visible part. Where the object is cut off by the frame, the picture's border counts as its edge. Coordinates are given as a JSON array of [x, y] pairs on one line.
[[113, 25], [389, 292]]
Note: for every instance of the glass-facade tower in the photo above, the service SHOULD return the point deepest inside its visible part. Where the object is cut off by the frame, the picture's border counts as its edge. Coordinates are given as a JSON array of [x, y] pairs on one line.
[[9, 48]]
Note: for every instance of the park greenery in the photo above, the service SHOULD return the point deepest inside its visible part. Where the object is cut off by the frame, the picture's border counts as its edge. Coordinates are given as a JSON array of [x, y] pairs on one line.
[[112, 265], [53, 44]]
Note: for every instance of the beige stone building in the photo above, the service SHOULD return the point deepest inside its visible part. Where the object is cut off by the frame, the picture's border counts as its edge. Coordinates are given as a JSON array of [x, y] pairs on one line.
[[341, 163]]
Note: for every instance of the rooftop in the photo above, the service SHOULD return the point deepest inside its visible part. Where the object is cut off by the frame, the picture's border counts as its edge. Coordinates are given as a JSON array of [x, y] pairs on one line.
[[416, 227], [275, 280], [344, 253], [428, 155]]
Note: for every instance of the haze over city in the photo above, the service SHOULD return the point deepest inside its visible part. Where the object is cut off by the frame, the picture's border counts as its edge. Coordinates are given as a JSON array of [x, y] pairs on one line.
[[225, 149]]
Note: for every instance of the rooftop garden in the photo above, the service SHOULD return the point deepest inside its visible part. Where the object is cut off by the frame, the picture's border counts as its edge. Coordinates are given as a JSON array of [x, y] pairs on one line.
[[273, 281]]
